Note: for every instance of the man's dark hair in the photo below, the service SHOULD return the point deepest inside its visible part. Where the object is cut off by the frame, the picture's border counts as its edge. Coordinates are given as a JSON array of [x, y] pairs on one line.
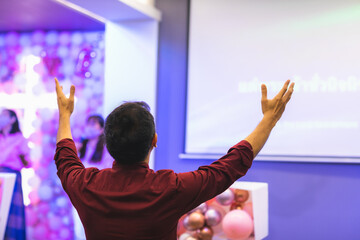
[[129, 131]]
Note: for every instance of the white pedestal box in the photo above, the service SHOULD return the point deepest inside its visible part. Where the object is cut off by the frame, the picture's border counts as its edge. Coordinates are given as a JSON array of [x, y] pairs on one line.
[[7, 183], [260, 199], [239, 213]]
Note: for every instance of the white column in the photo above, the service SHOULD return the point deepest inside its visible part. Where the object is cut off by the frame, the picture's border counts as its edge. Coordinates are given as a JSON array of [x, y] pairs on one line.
[[130, 64]]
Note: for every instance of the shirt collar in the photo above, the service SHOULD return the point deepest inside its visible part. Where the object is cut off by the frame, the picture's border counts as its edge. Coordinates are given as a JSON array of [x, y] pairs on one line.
[[117, 165]]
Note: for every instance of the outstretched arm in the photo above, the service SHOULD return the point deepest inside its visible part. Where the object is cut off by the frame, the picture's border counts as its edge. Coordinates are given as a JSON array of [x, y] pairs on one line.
[[208, 181], [272, 110], [66, 107]]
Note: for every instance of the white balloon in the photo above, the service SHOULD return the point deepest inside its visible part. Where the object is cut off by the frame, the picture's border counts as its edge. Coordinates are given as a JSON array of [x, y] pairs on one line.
[[36, 50], [38, 37], [25, 40], [61, 202], [184, 236], [64, 38], [2, 40], [34, 182], [63, 52], [11, 39], [51, 38], [68, 68], [45, 192], [77, 38]]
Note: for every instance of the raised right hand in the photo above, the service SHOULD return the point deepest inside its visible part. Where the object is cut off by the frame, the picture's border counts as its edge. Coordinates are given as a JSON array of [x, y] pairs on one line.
[[274, 108], [65, 105]]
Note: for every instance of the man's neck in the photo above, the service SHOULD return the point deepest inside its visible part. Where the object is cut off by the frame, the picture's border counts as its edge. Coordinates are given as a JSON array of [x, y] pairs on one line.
[[147, 159]]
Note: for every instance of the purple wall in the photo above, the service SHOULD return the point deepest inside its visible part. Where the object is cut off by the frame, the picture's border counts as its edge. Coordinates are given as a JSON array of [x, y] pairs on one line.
[[306, 200]]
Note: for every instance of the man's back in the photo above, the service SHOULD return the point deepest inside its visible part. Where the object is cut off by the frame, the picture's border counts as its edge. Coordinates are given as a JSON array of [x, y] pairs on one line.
[[125, 203], [133, 201]]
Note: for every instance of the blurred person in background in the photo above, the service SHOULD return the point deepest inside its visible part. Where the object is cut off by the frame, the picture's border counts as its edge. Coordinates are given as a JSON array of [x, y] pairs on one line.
[[14, 156], [92, 150]]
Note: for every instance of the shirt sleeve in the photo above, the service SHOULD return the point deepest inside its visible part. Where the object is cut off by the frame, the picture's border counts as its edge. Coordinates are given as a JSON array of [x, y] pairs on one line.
[[67, 162], [207, 182]]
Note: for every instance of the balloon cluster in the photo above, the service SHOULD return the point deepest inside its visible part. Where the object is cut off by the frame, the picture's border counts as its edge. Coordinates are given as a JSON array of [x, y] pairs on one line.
[[228, 216], [74, 58]]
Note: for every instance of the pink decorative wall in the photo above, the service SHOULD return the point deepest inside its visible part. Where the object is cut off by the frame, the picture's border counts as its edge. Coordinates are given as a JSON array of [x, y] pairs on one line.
[[28, 64]]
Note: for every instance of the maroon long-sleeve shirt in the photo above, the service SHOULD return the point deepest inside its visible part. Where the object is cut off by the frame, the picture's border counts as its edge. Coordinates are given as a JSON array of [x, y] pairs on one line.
[[133, 202]]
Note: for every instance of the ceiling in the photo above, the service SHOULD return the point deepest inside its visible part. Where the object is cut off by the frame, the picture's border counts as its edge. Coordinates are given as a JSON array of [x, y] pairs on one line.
[[29, 15]]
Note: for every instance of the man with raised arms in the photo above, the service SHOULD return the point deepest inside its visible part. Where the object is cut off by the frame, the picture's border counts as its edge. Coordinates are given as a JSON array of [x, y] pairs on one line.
[[131, 201]]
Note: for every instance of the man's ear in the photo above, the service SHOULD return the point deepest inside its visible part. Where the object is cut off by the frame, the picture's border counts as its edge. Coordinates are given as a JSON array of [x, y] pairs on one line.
[[154, 141]]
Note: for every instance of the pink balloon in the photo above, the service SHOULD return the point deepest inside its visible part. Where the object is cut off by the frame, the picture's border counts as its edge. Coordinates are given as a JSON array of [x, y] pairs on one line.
[[65, 233], [49, 85], [64, 38], [31, 217], [38, 37], [43, 208], [237, 224], [47, 153], [42, 172], [47, 127], [55, 223], [248, 207], [35, 138], [8, 88], [34, 198], [41, 232], [54, 236], [40, 69]]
